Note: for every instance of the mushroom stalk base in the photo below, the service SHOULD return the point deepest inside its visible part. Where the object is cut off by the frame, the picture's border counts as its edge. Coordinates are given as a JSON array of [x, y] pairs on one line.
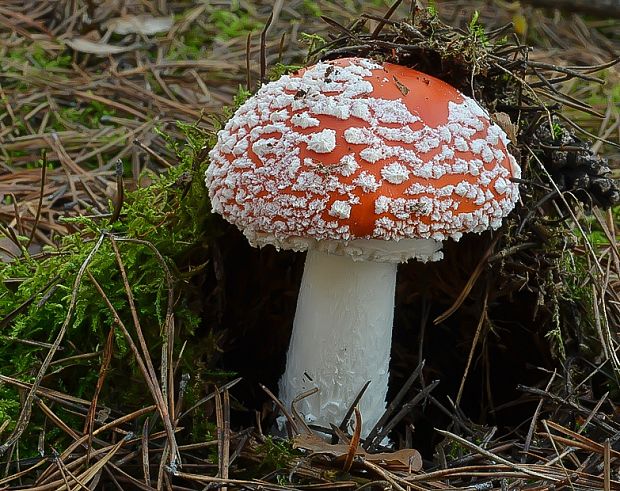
[[341, 339]]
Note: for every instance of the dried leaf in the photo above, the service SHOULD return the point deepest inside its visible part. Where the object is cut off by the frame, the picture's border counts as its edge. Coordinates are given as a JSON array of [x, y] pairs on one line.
[[503, 120], [84, 45], [140, 24], [404, 90], [407, 457]]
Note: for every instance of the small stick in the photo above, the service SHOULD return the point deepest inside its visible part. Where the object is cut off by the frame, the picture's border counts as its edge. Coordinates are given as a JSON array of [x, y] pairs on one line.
[[394, 404], [10, 234], [209, 397], [401, 414], [120, 192], [167, 349], [343, 425], [89, 424], [472, 350], [45, 476], [146, 372], [530, 431], [58, 463], [18, 218], [387, 16], [166, 391], [219, 421], [607, 466], [239, 483], [286, 414], [355, 441], [586, 132], [56, 420], [339, 26], [300, 397], [226, 444], [152, 153], [263, 48], [470, 283], [559, 456], [281, 47], [145, 452], [388, 476], [181, 397], [37, 216], [571, 71], [248, 72]]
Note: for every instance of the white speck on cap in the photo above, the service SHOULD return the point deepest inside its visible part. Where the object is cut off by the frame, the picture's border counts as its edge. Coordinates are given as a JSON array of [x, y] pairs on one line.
[[360, 136], [360, 110], [340, 209], [304, 120], [461, 144], [348, 165], [395, 173], [372, 154], [323, 141], [501, 185], [427, 144], [367, 182], [382, 205]]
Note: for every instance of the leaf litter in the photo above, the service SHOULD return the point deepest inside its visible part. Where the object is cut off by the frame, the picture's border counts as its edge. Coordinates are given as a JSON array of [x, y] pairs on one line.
[[153, 82]]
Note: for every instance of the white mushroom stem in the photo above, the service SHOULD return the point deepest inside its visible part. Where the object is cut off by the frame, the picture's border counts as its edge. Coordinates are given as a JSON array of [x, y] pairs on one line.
[[342, 332], [342, 335]]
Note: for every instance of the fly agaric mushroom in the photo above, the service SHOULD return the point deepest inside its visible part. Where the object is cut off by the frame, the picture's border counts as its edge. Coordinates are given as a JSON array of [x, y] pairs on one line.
[[363, 165]]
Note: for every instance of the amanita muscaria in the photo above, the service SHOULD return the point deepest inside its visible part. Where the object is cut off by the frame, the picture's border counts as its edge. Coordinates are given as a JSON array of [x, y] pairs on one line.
[[364, 165]]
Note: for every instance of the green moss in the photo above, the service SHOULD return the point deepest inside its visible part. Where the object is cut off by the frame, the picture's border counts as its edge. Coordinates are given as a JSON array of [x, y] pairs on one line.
[[49, 61], [233, 23], [280, 69], [476, 30], [276, 454], [313, 41], [190, 45], [171, 215], [9, 406], [88, 115], [312, 8], [35, 55], [432, 9]]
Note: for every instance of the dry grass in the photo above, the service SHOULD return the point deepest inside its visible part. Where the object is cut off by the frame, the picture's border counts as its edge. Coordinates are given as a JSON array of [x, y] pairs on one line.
[[81, 108]]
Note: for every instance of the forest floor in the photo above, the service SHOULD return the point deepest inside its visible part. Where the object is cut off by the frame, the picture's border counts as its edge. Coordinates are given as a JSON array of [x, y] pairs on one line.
[[92, 94]]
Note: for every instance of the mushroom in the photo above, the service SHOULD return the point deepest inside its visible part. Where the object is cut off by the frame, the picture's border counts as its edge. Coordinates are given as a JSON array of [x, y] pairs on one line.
[[364, 166]]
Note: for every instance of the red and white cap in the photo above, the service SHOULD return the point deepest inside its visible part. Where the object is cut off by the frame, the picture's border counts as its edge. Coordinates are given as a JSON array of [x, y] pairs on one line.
[[348, 154]]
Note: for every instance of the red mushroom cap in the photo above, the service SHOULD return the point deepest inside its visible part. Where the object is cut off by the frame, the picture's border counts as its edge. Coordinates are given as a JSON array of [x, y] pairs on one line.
[[353, 149]]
